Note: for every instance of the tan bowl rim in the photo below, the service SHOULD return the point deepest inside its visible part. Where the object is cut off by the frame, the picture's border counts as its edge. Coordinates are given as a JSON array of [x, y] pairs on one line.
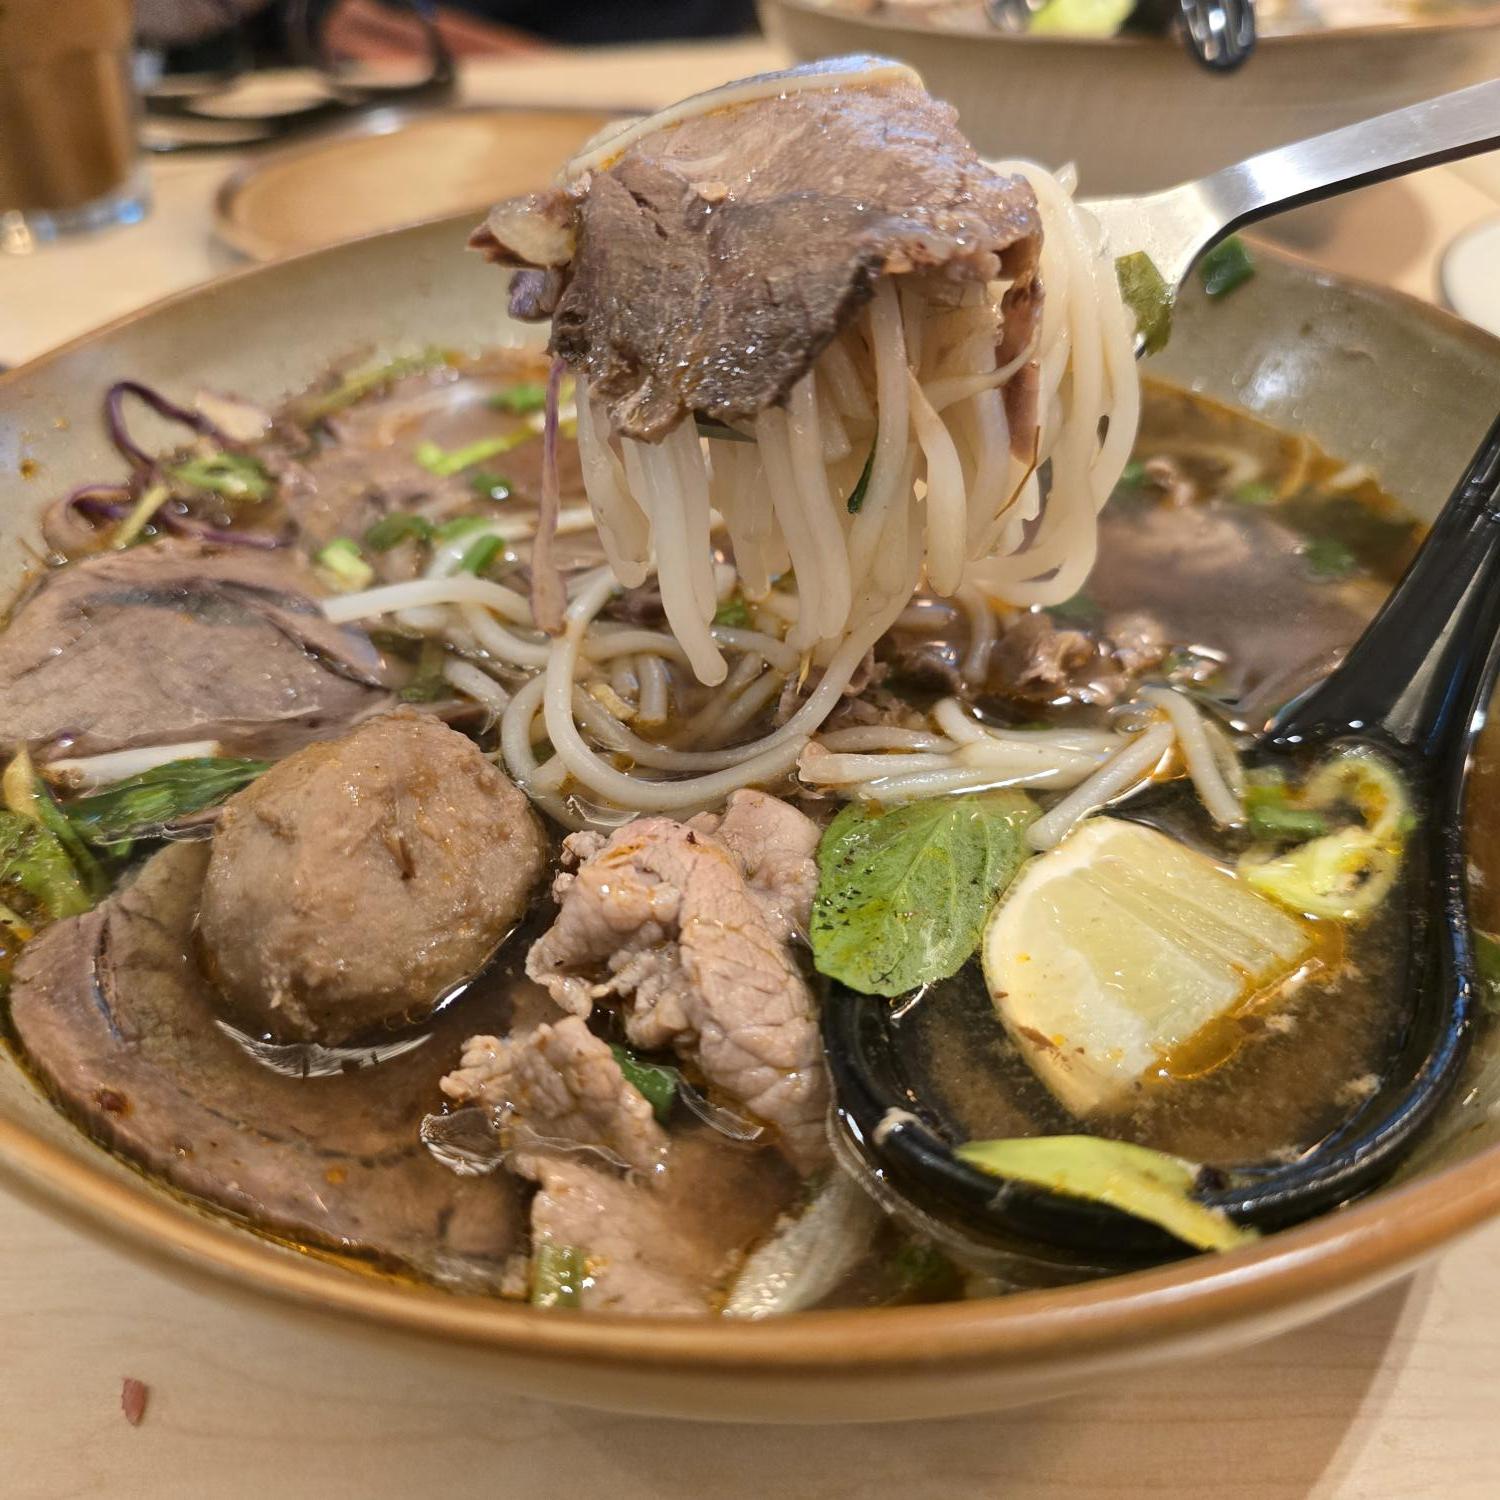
[[1469, 19], [1360, 1246]]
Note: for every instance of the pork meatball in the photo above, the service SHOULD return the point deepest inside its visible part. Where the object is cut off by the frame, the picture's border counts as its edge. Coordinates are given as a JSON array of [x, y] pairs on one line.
[[358, 881]]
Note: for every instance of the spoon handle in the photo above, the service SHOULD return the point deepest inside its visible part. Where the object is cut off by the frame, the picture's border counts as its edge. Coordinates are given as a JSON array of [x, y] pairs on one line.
[[1414, 672]]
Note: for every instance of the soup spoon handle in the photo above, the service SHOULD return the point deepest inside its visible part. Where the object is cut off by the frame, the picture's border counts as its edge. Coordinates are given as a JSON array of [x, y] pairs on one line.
[[1409, 677], [1176, 226]]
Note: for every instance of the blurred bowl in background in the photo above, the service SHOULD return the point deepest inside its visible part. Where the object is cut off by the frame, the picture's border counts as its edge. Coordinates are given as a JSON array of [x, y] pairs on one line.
[[1134, 113], [392, 168]]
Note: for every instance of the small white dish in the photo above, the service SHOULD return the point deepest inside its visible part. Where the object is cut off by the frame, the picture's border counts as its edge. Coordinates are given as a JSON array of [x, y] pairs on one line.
[[1470, 275]]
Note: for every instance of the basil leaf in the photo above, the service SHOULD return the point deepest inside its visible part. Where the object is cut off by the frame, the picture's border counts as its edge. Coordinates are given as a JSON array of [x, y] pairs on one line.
[[140, 805], [903, 894], [656, 1082], [1148, 297], [1134, 1179]]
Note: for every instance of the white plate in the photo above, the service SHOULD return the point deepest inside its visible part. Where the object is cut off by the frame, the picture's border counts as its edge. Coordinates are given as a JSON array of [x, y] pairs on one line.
[[1471, 275]]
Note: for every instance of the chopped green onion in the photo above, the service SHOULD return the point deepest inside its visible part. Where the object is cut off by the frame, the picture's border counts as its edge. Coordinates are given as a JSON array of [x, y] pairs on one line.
[[1133, 474], [480, 554], [862, 484], [490, 486], [235, 476], [428, 683], [459, 526], [1254, 493], [657, 1082], [342, 567], [116, 815], [315, 408], [1079, 610], [389, 531], [528, 396], [559, 1274], [734, 611], [1272, 815], [1328, 557], [152, 499], [26, 795], [1148, 296], [445, 462], [1226, 266], [36, 874]]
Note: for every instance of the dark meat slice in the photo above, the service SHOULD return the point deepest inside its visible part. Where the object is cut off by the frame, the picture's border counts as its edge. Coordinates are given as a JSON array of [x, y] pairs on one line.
[[114, 1015], [181, 640], [664, 916], [668, 1245], [357, 883], [560, 1083], [716, 259]]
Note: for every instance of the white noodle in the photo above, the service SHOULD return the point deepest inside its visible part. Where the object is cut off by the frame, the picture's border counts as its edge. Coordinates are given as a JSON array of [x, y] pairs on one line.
[[480, 686], [1131, 766], [1198, 754]]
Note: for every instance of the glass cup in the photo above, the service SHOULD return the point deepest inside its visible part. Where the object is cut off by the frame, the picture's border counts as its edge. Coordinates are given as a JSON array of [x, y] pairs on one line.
[[69, 154]]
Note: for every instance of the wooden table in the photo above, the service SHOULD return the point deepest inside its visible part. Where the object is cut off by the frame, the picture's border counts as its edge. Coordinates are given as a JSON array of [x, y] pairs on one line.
[[1391, 1399]]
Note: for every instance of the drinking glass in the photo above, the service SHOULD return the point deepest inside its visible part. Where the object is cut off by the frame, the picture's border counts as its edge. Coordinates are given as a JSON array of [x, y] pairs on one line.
[[69, 154]]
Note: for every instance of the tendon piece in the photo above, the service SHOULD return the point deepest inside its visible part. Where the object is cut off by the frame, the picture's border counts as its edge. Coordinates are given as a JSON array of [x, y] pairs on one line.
[[665, 917], [715, 260], [118, 1021], [361, 881], [178, 641]]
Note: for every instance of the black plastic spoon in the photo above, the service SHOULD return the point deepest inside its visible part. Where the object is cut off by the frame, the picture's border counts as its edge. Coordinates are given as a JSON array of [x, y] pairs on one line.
[[1416, 686]]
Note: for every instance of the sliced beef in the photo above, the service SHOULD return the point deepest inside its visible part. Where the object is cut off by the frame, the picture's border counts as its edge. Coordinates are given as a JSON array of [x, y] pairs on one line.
[[114, 1015], [360, 881], [181, 640], [668, 1245], [715, 260], [560, 1083], [664, 915]]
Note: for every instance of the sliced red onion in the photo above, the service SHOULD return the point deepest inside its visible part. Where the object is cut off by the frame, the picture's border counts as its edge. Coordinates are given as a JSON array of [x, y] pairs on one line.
[[114, 419]]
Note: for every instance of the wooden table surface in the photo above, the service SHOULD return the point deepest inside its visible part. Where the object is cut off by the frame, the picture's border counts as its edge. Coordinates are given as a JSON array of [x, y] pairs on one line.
[[1394, 1398]]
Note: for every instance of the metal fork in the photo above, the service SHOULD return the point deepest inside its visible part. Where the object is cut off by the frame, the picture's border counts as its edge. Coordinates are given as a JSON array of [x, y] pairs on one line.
[[1176, 226]]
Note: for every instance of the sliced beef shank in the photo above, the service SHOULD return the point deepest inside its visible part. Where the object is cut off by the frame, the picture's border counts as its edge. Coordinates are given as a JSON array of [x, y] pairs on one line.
[[181, 640], [115, 1016], [707, 267]]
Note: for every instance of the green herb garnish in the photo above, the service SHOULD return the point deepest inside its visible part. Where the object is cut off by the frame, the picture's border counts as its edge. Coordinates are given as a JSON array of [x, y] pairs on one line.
[[234, 476], [1487, 962], [656, 1082], [734, 611], [862, 484], [445, 462], [342, 566], [139, 806], [1226, 266], [520, 399], [1148, 297], [390, 531], [481, 553], [1328, 557], [315, 408], [903, 894], [489, 485], [1253, 493], [1079, 610], [1271, 814], [460, 526], [27, 796], [558, 1275], [1133, 474], [1134, 1179], [38, 882]]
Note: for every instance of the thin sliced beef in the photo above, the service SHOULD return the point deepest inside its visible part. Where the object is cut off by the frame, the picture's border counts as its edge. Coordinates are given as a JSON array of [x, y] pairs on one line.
[[113, 1013], [363, 879], [560, 1083], [664, 916], [715, 260], [181, 640], [666, 1246]]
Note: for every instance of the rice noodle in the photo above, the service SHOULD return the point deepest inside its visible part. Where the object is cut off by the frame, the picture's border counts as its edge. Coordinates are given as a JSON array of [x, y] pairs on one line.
[[1203, 764]]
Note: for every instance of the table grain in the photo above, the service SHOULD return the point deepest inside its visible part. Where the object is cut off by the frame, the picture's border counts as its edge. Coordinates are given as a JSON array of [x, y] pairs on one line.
[[1393, 1398]]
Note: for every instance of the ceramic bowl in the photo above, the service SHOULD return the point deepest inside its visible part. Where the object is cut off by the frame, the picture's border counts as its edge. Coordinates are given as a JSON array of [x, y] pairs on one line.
[[1135, 113], [1371, 376]]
